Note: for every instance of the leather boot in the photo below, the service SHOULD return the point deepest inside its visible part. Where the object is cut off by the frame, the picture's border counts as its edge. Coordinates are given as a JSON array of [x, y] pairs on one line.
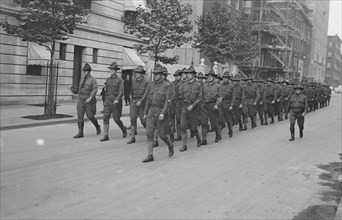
[[169, 145], [124, 132], [172, 137], [218, 135], [184, 148], [155, 144], [149, 158], [240, 126], [178, 138], [97, 126], [80, 130], [301, 133], [272, 119], [131, 140], [292, 134], [106, 129], [265, 119], [198, 138], [230, 130], [204, 135], [253, 119]]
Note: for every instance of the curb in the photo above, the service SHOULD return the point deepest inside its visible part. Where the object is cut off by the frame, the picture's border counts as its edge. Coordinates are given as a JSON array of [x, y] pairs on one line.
[[39, 124]]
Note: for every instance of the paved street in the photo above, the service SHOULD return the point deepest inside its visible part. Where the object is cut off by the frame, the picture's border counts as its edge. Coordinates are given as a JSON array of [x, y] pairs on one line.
[[256, 174]]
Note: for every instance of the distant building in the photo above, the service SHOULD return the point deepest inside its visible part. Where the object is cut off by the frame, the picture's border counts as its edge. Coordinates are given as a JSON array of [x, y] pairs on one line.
[[99, 42], [333, 73], [320, 19], [283, 33]]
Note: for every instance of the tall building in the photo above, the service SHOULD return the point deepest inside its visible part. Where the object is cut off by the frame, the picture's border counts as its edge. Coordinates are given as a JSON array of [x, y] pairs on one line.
[[333, 73], [283, 33], [98, 42], [320, 19]]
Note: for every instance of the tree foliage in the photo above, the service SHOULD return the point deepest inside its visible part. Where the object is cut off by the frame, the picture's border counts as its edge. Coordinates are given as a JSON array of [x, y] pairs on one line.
[[44, 22], [222, 39], [163, 25]]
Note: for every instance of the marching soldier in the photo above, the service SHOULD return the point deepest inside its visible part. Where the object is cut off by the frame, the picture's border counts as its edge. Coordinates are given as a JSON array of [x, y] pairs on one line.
[[269, 100], [175, 101], [260, 105], [201, 78], [251, 101], [86, 101], [210, 107], [191, 98], [279, 101], [239, 100], [297, 107], [113, 102], [286, 93], [156, 112], [227, 92], [137, 107]]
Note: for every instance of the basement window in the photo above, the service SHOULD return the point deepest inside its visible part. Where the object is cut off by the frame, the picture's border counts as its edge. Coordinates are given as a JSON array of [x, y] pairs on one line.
[[34, 70]]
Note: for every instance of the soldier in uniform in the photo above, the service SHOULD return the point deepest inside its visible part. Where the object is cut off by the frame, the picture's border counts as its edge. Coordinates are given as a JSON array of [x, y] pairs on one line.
[[297, 107], [211, 101], [269, 100], [279, 101], [137, 106], [251, 101], [113, 101], [86, 101], [156, 112], [191, 97], [201, 79], [260, 104], [173, 111], [239, 101], [227, 93], [286, 94]]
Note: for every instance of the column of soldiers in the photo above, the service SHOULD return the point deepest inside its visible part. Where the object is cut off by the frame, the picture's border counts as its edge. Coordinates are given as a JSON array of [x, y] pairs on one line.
[[197, 102]]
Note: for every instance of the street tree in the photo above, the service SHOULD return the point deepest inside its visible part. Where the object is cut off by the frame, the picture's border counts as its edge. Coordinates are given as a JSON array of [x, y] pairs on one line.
[[224, 40], [163, 25], [45, 22]]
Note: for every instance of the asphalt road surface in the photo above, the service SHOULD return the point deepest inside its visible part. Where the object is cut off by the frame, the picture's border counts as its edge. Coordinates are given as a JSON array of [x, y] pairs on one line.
[[256, 174]]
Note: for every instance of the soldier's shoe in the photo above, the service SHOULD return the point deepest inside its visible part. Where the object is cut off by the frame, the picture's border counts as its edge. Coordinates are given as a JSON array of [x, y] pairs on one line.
[[105, 138], [184, 148], [124, 132], [149, 158], [178, 138], [285, 117], [301, 134], [199, 143], [79, 135], [292, 138], [203, 142], [272, 122], [280, 119], [171, 151], [218, 138], [192, 134], [240, 128], [230, 134], [254, 125], [131, 140], [155, 144], [244, 128], [98, 130]]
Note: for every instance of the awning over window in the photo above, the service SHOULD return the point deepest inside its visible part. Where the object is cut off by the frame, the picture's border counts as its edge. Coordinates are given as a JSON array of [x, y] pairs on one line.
[[37, 54], [132, 5], [131, 60]]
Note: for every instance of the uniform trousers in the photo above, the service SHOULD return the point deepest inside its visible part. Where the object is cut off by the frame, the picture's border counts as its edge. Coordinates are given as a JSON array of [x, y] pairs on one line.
[[85, 108], [153, 123]]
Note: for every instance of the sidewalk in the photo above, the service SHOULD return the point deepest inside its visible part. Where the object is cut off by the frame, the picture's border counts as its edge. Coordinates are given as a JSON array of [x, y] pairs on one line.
[[11, 116]]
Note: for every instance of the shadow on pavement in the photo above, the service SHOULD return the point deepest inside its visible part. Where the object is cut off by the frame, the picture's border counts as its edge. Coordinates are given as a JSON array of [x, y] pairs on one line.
[[333, 182]]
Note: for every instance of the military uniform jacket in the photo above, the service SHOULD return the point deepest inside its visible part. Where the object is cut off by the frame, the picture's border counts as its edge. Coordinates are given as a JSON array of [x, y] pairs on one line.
[[239, 95], [158, 96], [211, 93], [251, 93], [138, 88], [279, 92], [227, 92], [262, 89], [270, 94], [90, 86], [115, 87], [192, 93], [286, 92], [298, 103]]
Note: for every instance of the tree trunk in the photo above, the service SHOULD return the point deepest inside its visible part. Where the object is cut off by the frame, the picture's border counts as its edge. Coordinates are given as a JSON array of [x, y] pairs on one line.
[[51, 85]]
